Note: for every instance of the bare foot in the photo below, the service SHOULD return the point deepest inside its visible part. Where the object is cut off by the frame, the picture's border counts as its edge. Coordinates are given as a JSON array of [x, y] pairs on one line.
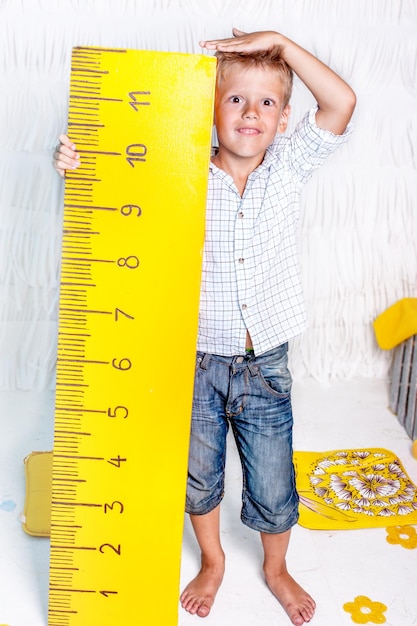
[[297, 603], [198, 596]]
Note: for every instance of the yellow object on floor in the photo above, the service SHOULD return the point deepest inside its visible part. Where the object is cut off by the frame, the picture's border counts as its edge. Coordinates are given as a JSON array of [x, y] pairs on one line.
[[348, 489], [36, 516], [396, 324]]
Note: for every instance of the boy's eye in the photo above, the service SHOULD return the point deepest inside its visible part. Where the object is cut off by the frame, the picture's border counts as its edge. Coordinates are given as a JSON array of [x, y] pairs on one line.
[[268, 102], [235, 99]]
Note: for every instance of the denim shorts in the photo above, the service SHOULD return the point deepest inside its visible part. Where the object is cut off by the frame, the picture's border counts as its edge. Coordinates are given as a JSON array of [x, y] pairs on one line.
[[252, 394]]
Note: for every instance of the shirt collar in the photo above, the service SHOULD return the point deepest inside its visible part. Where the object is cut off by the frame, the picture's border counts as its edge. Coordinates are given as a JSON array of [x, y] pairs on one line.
[[269, 158]]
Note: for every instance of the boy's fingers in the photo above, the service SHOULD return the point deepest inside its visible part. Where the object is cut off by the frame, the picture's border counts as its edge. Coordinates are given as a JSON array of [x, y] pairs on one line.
[[238, 33], [66, 141], [65, 156], [61, 163], [220, 43], [236, 43], [63, 151]]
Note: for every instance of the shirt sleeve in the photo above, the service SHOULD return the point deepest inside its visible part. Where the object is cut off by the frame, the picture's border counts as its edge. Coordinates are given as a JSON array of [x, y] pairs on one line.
[[309, 146]]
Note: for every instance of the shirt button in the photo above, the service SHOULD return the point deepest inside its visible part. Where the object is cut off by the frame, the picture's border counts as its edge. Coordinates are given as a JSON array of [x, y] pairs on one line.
[[241, 261], [240, 214], [244, 307]]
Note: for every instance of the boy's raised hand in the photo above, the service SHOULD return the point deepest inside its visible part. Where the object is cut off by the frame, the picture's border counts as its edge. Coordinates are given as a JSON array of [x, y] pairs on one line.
[[243, 42], [65, 156]]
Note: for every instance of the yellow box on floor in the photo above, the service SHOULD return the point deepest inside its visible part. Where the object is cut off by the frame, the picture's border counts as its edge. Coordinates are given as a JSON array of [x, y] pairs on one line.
[[36, 518]]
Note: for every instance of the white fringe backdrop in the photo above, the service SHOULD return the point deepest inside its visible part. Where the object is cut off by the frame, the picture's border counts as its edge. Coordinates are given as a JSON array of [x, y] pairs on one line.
[[359, 233]]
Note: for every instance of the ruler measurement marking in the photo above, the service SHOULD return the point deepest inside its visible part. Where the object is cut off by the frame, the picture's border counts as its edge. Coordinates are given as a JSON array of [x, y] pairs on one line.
[[80, 242], [85, 111], [62, 611], [91, 208], [71, 480], [101, 152], [69, 590], [81, 219], [83, 187], [73, 184], [82, 458], [68, 295], [65, 493], [87, 311], [85, 125], [80, 232], [71, 284], [70, 260], [80, 71], [97, 50], [80, 410], [87, 548], [69, 432], [70, 385], [84, 86], [84, 361], [65, 448]]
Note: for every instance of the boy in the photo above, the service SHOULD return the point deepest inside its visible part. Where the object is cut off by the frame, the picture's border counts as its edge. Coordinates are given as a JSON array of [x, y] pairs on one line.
[[251, 298]]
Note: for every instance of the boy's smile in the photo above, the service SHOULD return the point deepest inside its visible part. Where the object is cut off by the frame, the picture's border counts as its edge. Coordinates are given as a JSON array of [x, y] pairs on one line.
[[249, 111]]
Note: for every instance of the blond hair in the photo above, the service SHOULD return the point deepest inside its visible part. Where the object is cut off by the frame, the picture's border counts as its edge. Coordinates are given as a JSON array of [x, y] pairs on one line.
[[265, 59]]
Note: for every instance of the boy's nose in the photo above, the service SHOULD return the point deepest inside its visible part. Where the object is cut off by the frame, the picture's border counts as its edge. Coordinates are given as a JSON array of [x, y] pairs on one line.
[[251, 112]]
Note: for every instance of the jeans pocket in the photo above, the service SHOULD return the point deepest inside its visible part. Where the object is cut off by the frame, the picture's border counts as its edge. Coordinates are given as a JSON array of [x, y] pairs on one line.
[[276, 378]]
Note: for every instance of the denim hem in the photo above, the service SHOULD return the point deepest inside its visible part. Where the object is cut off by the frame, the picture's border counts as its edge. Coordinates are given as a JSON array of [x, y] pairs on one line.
[[205, 509], [268, 529]]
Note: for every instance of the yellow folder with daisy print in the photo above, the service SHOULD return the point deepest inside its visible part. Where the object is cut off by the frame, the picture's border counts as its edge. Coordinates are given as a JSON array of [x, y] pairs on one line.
[[358, 488]]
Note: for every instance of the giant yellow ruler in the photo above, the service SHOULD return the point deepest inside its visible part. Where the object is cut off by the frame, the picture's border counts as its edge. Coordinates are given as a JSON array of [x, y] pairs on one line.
[[131, 261]]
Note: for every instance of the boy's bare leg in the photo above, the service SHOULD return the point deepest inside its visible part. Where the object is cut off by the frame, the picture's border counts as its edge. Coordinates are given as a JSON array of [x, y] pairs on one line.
[[198, 596], [298, 604]]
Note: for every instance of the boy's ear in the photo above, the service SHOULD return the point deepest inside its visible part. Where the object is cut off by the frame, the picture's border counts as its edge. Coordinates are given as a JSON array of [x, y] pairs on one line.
[[283, 120]]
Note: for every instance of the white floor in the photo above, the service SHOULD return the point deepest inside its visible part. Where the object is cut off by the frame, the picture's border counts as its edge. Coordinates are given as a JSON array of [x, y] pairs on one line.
[[334, 567]]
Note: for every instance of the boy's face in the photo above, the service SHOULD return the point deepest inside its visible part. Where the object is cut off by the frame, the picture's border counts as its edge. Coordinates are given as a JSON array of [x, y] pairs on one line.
[[248, 112]]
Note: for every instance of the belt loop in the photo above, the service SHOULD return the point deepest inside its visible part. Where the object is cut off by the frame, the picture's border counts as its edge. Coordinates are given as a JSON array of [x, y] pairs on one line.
[[205, 361], [253, 368]]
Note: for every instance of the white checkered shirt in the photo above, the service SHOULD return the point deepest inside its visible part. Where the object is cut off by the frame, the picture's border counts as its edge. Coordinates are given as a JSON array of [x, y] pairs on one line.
[[251, 278]]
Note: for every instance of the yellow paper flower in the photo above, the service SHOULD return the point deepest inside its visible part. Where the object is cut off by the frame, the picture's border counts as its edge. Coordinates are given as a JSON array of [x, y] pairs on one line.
[[406, 536], [364, 610]]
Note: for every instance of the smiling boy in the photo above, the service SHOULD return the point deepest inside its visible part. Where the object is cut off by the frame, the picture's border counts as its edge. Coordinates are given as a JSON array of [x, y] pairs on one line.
[[251, 300]]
